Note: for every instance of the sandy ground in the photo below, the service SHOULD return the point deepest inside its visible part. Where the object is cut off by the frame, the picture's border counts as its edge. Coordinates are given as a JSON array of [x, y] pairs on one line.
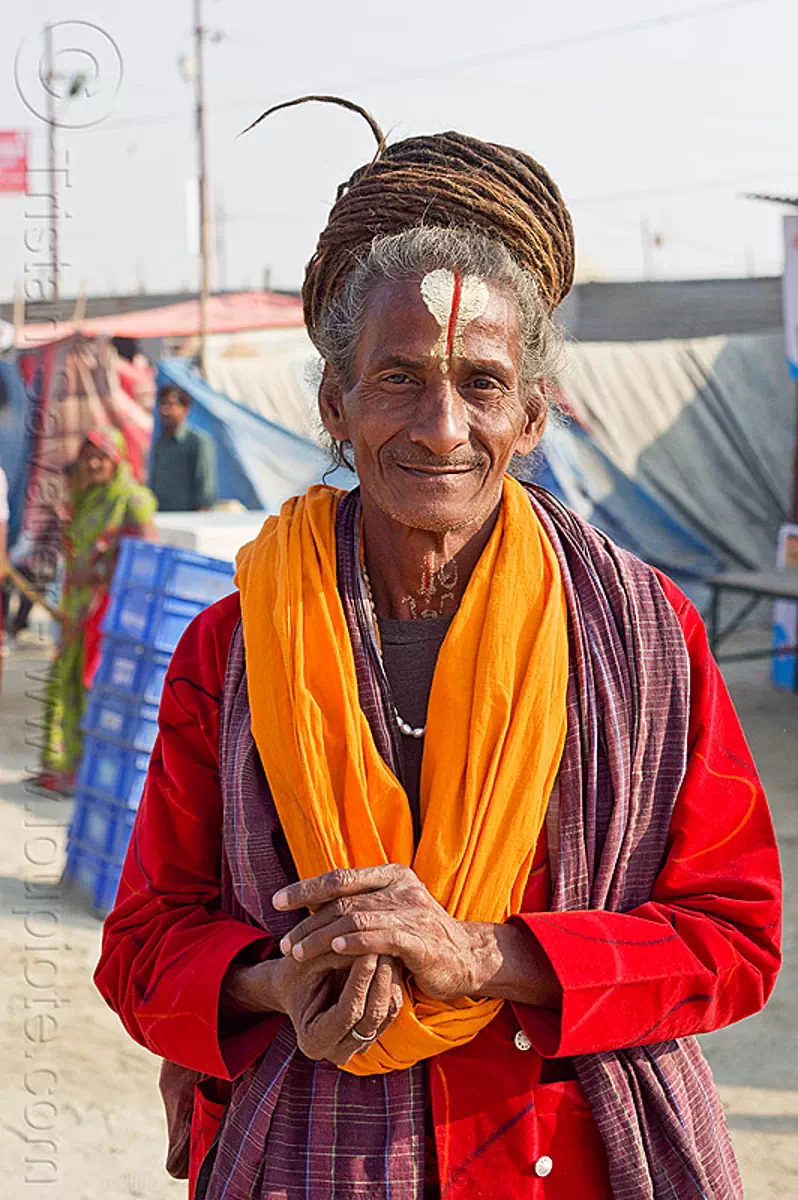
[[80, 1112]]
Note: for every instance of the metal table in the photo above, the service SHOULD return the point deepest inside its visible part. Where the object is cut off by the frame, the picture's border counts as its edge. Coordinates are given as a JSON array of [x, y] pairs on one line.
[[757, 586]]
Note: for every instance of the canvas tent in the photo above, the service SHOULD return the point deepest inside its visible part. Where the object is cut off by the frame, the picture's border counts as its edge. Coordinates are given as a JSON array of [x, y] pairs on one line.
[[271, 371], [703, 427]]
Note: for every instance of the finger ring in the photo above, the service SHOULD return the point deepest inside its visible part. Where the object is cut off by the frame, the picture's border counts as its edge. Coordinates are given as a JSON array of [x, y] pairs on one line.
[[359, 1036]]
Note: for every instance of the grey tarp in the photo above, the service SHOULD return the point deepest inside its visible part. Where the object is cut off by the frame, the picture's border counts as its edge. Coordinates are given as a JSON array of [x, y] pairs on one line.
[[704, 426]]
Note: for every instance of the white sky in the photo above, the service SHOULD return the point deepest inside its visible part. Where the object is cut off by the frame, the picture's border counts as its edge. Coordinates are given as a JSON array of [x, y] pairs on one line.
[[667, 125]]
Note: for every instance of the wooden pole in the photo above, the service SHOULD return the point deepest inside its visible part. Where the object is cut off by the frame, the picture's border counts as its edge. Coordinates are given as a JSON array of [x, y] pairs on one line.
[[79, 311], [22, 585], [204, 212], [220, 217]]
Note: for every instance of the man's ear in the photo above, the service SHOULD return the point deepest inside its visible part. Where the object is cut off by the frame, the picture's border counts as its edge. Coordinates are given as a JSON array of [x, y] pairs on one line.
[[537, 407], [331, 407]]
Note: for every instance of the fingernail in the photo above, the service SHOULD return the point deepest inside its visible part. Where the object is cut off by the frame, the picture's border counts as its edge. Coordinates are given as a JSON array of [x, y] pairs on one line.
[[279, 900], [298, 952], [339, 944], [285, 945]]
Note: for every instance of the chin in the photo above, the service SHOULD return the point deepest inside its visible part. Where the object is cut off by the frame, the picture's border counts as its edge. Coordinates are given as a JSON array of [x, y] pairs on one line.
[[435, 507], [441, 517]]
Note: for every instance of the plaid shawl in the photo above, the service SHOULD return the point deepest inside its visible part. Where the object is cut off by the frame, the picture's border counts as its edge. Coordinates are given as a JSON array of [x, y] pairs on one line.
[[305, 1131]]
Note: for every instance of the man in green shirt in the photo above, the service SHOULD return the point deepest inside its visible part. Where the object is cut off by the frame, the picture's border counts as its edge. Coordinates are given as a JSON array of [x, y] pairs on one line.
[[183, 466]]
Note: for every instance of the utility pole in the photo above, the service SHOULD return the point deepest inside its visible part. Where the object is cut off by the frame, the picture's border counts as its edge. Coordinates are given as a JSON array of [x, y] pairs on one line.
[[204, 213], [219, 220], [52, 160]]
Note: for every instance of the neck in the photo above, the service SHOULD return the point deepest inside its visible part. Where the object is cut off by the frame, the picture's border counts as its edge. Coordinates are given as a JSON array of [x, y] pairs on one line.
[[418, 573]]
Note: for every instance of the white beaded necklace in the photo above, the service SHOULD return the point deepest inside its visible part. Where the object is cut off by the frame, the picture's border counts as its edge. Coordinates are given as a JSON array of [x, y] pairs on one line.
[[404, 727]]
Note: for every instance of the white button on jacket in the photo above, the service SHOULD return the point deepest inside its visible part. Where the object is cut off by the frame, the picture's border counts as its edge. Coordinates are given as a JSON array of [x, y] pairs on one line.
[[543, 1166], [522, 1042]]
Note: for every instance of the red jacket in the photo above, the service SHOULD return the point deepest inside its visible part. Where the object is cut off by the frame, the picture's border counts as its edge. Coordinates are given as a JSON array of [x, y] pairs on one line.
[[167, 945]]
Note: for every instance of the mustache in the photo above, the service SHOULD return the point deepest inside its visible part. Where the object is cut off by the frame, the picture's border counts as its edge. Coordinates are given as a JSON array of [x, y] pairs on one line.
[[458, 462]]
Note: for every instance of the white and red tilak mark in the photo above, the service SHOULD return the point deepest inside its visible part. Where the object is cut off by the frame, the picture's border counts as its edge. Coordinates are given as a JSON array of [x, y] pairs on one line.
[[455, 301]]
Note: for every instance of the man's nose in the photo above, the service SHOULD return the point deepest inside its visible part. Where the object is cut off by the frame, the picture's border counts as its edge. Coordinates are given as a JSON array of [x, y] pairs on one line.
[[441, 420]]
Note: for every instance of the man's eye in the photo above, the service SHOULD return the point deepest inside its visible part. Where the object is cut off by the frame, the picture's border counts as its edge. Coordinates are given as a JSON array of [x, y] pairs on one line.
[[484, 384], [397, 377]]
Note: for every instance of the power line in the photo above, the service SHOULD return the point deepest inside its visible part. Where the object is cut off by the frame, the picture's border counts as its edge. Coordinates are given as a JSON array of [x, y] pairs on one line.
[[577, 39], [670, 237], [680, 188]]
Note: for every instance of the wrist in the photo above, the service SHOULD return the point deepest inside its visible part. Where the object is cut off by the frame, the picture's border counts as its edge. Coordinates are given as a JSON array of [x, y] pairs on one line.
[[484, 958], [256, 988], [523, 973]]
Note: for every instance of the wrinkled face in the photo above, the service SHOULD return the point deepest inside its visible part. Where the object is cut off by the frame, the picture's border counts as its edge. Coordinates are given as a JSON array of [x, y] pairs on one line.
[[172, 411], [94, 466], [434, 409]]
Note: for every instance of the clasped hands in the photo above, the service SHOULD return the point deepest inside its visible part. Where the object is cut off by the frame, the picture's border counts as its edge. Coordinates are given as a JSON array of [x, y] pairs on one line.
[[385, 911], [339, 979]]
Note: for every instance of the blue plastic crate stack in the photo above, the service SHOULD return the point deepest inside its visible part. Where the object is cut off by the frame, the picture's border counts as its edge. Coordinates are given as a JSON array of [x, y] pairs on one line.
[[156, 591]]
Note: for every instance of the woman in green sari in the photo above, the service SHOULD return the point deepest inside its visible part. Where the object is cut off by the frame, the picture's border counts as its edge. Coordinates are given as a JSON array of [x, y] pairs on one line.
[[106, 504]]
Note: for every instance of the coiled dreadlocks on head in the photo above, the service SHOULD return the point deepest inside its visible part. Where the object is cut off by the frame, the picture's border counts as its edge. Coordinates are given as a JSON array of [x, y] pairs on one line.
[[446, 180]]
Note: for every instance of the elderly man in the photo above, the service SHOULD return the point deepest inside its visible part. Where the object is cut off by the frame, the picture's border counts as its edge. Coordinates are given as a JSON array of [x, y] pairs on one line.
[[451, 839]]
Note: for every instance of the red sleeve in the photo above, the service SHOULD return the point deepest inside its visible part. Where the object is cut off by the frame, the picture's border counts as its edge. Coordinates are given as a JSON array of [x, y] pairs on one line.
[[704, 951], [167, 944]]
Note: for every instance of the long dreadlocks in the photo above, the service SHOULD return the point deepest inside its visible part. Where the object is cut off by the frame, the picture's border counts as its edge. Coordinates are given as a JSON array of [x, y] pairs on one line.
[[449, 180]]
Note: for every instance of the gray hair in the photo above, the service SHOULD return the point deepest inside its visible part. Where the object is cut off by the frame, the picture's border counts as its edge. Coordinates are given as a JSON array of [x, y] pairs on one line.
[[411, 255]]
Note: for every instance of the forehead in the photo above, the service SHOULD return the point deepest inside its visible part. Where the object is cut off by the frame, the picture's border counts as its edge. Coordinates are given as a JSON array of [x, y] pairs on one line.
[[402, 317]]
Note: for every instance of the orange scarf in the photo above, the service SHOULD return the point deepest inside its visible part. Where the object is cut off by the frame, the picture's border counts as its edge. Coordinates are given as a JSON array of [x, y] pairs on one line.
[[495, 733]]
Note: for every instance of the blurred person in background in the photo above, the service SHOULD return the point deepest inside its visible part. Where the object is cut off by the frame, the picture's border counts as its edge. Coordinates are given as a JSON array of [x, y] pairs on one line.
[[106, 504], [136, 376], [183, 466]]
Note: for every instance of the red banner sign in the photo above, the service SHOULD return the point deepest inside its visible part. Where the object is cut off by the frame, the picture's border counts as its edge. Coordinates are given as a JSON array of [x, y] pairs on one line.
[[13, 161]]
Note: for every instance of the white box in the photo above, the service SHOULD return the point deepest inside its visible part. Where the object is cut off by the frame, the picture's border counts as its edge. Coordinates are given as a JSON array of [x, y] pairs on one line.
[[219, 535]]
